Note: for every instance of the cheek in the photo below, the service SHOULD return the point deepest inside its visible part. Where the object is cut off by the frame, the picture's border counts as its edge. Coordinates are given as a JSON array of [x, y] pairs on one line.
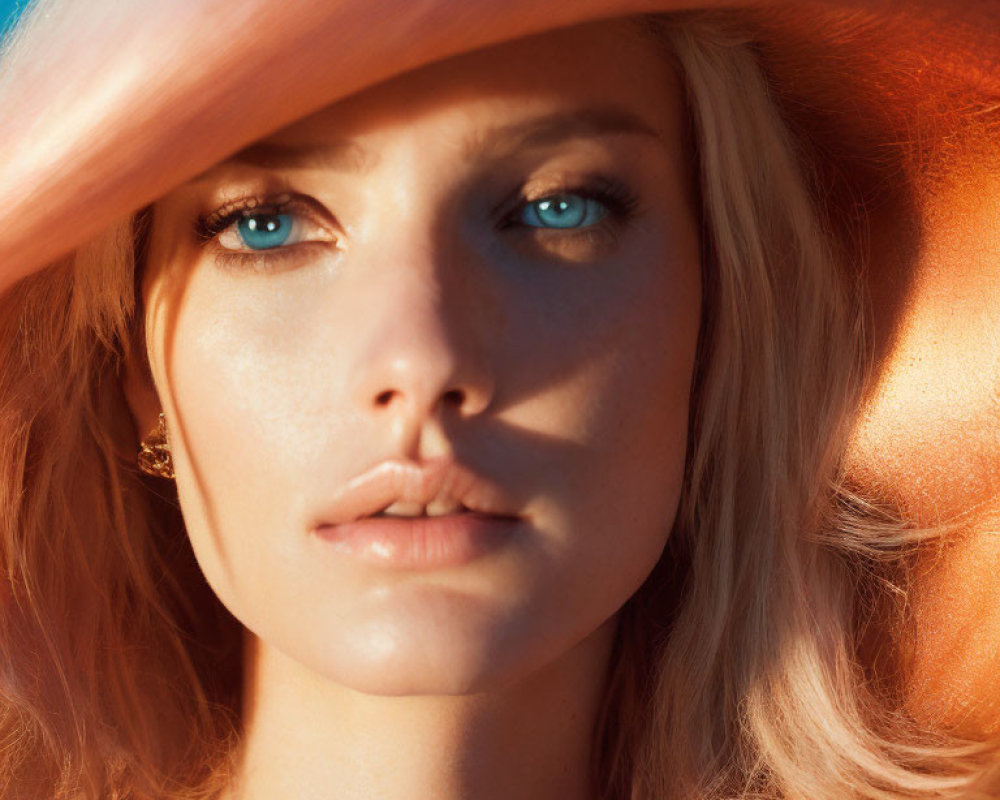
[[626, 407], [250, 413]]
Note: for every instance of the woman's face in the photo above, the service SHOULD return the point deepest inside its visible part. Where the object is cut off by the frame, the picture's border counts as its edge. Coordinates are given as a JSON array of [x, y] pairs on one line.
[[491, 264]]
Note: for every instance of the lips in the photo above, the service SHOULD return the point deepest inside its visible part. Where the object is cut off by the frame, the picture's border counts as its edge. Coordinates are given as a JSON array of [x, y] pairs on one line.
[[433, 515], [409, 489]]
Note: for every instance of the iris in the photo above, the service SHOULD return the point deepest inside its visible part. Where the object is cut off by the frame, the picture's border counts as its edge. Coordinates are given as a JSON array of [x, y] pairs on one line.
[[265, 231], [563, 211]]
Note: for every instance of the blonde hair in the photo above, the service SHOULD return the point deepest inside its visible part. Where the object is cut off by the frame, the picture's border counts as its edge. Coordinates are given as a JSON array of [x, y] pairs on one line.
[[735, 674], [756, 689]]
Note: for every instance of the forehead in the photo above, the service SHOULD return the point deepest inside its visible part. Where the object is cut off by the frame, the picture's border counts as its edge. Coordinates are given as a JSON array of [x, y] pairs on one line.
[[614, 71]]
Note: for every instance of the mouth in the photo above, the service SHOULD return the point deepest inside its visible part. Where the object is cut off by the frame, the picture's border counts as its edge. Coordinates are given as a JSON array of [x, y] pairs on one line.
[[402, 515], [410, 508], [397, 489], [430, 511], [421, 542]]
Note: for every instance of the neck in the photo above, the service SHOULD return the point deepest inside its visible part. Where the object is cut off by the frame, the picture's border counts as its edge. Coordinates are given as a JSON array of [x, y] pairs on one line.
[[306, 737]]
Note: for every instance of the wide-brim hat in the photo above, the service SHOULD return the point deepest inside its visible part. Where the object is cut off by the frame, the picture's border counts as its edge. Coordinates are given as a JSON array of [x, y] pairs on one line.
[[123, 103]]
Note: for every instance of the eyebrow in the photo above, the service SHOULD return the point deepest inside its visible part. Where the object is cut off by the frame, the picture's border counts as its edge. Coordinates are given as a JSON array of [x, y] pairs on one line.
[[341, 155], [556, 128], [346, 155]]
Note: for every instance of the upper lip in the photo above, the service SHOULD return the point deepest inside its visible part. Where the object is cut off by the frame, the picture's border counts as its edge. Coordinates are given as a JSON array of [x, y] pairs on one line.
[[396, 480]]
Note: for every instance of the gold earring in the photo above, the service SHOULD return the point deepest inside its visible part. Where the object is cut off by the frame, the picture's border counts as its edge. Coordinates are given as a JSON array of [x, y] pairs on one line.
[[154, 452]]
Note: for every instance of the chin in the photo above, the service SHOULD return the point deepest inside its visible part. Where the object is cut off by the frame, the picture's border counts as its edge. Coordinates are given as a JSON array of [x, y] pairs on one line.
[[457, 646], [391, 664]]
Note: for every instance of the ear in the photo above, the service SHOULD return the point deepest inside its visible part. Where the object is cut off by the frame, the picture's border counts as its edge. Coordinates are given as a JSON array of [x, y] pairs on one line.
[[138, 386]]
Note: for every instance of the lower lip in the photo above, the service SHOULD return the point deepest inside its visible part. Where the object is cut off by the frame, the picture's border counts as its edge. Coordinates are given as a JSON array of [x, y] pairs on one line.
[[420, 542]]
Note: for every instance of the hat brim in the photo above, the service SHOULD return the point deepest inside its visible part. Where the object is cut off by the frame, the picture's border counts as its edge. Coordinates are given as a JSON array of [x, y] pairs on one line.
[[143, 99]]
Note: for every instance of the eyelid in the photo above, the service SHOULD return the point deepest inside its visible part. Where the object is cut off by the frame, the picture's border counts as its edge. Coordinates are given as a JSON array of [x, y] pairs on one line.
[[621, 201], [210, 227], [213, 225], [271, 260], [303, 231]]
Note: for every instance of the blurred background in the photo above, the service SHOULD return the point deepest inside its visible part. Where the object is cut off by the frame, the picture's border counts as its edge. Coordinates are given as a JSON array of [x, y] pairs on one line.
[[9, 11]]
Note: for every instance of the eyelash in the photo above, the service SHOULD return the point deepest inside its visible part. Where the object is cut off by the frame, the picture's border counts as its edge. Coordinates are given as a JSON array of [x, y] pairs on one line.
[[209, 227], [619, 200], [621, 203]]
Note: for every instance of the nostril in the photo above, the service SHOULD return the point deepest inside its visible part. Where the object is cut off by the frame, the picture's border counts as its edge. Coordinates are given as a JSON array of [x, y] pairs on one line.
[[454, 397]]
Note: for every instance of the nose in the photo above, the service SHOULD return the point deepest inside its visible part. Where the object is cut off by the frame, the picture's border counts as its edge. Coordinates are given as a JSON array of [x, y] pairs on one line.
[[425, 344]]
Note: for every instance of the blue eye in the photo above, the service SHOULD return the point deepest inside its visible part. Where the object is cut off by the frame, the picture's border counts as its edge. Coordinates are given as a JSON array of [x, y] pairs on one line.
[[265, 231], [563, 211]]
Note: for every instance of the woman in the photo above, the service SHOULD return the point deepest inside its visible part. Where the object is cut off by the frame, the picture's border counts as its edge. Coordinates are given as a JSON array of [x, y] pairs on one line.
[[490, 283]]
